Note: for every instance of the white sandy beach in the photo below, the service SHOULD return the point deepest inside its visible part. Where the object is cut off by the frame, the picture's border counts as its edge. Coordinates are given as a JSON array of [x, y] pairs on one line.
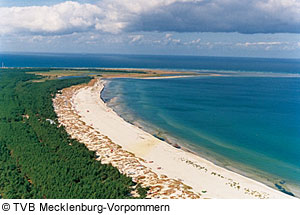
[[167, 162]]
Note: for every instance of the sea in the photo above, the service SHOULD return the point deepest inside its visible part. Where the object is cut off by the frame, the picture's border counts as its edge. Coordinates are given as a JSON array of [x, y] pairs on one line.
[[245, 118]]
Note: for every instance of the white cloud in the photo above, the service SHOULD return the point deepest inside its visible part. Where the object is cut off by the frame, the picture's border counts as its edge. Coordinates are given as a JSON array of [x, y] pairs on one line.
[[115, 16], [246, 44], [177, 41], [270, 45], [167, 36], [243, 16], [193, 42], [66, 17], [136, 38]]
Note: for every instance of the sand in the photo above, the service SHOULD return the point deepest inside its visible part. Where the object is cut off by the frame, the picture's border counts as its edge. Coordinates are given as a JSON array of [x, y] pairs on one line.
[[169, 172]]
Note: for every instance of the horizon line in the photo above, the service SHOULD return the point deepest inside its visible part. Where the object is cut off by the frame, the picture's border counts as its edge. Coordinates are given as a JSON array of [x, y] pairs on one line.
[[130, 54]]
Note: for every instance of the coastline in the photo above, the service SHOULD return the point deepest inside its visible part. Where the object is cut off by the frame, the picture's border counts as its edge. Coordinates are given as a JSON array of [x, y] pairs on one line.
[[193, 176], [265, 178]]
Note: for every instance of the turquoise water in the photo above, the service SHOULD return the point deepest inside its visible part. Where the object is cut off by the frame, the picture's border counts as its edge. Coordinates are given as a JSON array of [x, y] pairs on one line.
[[248, 124]]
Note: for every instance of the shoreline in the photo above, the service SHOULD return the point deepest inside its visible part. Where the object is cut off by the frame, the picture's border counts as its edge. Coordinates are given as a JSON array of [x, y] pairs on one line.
[[200, 177], [272, 181]]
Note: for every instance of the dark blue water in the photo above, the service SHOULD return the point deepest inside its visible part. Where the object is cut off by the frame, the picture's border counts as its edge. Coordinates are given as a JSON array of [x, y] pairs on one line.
[[150, 61], [249, 124]]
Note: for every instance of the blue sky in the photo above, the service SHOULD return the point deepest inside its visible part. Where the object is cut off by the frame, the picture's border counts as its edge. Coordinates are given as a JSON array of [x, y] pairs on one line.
[[255, 28]]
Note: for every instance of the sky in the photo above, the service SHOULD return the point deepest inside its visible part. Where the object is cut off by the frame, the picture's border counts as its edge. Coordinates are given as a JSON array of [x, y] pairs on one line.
[[244, 28]]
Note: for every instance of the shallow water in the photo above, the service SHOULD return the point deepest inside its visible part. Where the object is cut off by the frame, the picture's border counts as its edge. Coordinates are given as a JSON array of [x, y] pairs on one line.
[[250, 124]]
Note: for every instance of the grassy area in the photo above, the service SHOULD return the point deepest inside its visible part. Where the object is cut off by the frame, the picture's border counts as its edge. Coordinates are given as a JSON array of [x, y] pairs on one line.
[[51, 73], [86, 72]]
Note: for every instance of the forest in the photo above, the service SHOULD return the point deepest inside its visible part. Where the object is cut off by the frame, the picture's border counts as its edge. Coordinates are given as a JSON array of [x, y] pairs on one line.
[[39, 159]]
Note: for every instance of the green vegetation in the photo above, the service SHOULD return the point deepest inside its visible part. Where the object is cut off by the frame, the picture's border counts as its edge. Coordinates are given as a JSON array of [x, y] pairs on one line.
[[52, 72], [39, 159]]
